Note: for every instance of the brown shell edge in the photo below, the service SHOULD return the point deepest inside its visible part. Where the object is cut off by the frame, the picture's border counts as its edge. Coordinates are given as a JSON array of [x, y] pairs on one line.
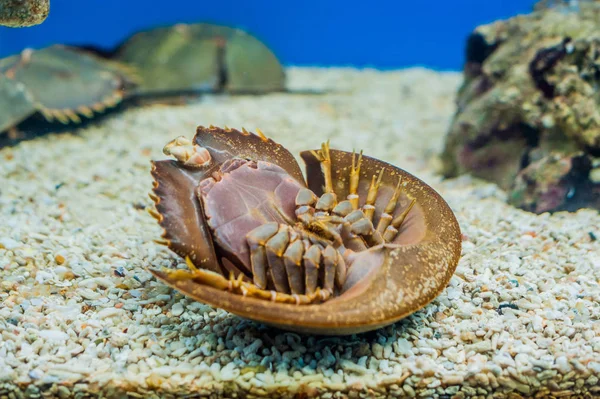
[[184, 229], [227, 143]]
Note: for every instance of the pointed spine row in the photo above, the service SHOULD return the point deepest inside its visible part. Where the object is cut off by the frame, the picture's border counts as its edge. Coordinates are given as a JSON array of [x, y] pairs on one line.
[[157, 215], [244, 132]]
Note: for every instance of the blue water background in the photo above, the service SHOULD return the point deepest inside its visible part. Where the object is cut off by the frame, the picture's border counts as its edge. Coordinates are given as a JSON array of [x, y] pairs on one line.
[[382, 34]]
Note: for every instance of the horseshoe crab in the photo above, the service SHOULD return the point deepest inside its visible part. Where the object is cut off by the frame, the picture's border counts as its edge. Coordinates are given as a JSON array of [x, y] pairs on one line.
[[16, 104], [61, 83], [201, 57], [359, 245]]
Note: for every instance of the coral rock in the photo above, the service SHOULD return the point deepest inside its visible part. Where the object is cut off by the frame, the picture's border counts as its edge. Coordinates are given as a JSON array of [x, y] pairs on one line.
[[529, 91], [23, 13]]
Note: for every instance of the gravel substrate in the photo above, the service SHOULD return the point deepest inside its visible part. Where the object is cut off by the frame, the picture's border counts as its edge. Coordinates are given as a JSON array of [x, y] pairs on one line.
[[81, 317]]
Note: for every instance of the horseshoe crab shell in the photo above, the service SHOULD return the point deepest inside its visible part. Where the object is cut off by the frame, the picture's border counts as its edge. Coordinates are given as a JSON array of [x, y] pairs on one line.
[[388, 281], [16, 103], [201, 57], [63, 84]]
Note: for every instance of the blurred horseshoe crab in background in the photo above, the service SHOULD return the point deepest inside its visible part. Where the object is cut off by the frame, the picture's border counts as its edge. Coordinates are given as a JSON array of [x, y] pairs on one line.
[[65, 84], [201, 57], [60, 83]]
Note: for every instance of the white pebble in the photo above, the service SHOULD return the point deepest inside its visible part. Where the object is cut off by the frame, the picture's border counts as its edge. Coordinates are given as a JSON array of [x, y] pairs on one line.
[[177, 310], [53, 335]]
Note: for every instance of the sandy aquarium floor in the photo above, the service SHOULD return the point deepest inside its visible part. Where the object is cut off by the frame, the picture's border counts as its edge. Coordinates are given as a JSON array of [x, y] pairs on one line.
[[81, 317]]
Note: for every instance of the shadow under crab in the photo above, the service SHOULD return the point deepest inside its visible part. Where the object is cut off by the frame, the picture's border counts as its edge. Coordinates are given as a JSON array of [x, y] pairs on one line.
[[263, 243]]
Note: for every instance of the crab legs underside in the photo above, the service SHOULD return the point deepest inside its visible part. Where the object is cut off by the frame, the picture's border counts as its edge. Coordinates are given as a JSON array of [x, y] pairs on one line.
[[307, 262]]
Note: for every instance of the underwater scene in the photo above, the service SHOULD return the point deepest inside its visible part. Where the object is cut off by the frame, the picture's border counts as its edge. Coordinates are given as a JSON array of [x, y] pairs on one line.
[[300, 200]]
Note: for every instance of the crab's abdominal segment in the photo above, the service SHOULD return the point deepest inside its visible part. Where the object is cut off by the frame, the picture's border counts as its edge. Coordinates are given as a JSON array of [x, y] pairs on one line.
[[257, 240]]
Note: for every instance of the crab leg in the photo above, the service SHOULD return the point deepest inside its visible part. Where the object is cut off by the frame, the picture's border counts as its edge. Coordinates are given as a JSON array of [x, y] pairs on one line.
[[241, 287], [251, 290], [351, 240], [355, 217], [354, 178], [325, 204], [201, 276], [257, 239], [369, 207], [297, 267], [293, 262], [312, 260], [363, 226], [330, 260], [313, 237], [343, 208], [275, 248], [316, 222], [323, 157], [392, 230], [340, 271], [397, 222], [205, 277], [386, 216], [305, 261], [292, 258], [305, 199], [238, 286]]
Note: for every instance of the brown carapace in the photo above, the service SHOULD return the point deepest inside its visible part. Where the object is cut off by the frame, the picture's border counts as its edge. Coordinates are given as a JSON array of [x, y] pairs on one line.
[[360, 244]]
